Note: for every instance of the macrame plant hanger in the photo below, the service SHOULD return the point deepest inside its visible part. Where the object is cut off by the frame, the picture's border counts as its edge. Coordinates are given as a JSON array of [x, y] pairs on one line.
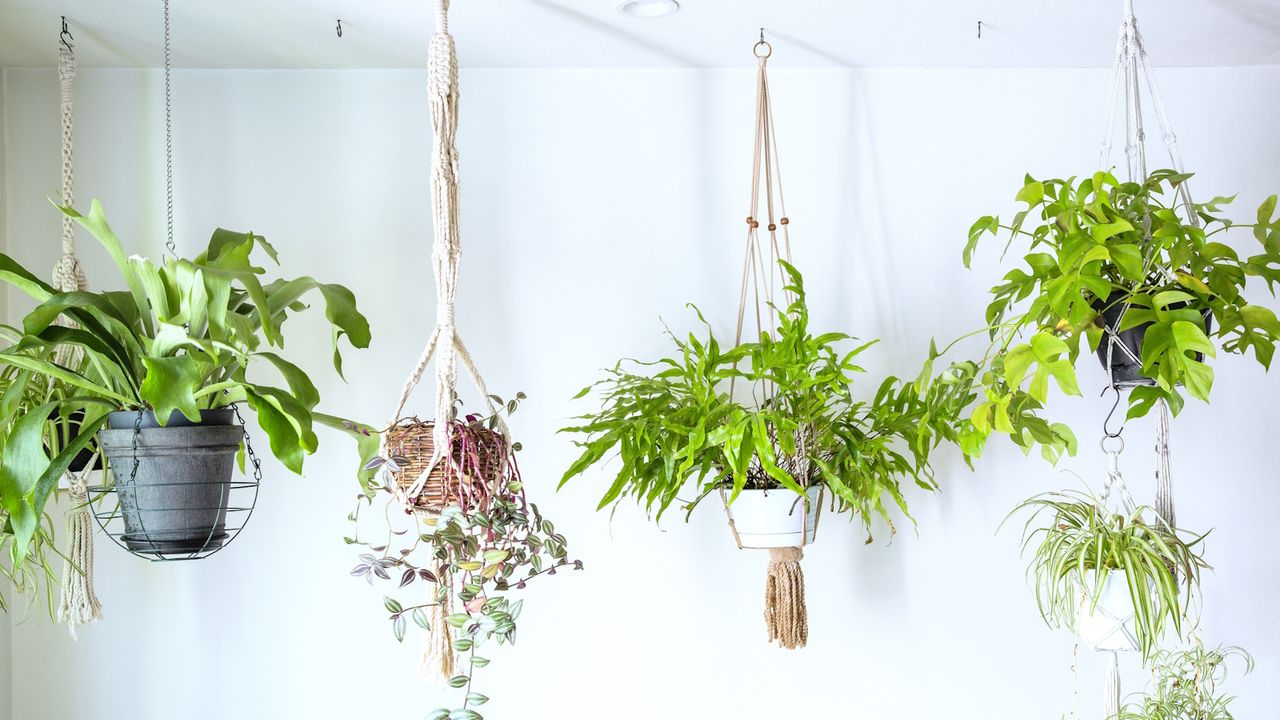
[[78, 604], [785, 614], [1130, 68], [444, 343]]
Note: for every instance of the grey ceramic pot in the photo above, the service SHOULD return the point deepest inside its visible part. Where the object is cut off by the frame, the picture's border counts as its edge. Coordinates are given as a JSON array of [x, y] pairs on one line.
[[176, 502]]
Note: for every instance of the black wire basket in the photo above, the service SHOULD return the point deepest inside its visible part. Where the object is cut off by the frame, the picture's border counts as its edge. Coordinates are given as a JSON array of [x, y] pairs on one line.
[[173, 492]]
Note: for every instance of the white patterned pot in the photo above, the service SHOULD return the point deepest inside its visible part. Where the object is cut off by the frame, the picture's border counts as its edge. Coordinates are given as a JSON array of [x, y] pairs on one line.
[[1111, 624], [774, 518]]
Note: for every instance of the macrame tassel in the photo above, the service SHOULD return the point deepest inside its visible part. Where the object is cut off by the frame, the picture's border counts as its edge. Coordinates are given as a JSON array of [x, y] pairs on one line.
[[1164, 475], [1111, 699], [439, 661], [785, 615], [79, 605]]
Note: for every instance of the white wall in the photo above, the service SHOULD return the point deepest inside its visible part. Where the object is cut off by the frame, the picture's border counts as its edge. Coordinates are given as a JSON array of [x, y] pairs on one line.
[[593, 204]]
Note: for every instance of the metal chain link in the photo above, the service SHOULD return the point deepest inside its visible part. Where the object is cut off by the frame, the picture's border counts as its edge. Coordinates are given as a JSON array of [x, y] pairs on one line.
[[248, 448], [168, 131]]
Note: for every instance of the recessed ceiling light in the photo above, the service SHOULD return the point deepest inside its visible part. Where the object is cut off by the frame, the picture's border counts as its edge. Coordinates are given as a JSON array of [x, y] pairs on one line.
[[648, 9]]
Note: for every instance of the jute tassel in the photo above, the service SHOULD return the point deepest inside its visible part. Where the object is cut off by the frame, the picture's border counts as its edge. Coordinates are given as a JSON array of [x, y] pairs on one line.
[[79, 605], [439, 660], [785, 615]]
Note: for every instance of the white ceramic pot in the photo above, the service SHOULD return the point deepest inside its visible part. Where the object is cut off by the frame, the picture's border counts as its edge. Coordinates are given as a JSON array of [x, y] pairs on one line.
[[775, 518], [1109, 625]]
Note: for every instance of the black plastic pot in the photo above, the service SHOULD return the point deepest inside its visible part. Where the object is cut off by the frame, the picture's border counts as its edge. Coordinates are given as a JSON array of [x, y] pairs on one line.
[[1125, 371], [176, 500], [82, 458]]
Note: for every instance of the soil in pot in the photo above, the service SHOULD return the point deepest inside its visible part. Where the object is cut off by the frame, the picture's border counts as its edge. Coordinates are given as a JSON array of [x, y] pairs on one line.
[[1125, 370], [176, 501]]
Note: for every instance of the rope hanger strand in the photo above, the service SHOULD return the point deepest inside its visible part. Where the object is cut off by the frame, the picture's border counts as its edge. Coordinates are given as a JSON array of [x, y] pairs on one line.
[[78, 604]]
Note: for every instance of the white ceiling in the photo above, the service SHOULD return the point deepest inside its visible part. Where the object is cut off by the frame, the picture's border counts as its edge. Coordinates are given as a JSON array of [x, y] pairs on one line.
[[591, 33]]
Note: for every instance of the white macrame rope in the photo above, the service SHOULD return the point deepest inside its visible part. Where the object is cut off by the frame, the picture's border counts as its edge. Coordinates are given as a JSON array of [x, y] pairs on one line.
[[78, 604], [1111, 693], [1134, 65], [1164, 473], [68, 274], [444, 344]]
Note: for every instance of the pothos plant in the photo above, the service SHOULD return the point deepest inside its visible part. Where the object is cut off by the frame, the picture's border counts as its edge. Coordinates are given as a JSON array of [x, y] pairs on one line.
[[1185, 685], [803, 425], [481, 547], [1096, 248], [183, 336], [1077, 542]]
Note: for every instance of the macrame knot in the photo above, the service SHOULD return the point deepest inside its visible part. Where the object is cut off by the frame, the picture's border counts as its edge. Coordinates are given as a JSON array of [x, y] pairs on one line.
[[442, 80], [445, 317], [68, 274], [785, 615]]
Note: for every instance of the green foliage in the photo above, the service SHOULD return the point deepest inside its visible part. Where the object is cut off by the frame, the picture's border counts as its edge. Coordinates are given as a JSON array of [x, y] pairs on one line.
[[486, 544], [1185, 686], [802, 426], [1098, 244], [1082, 542], [182, 337]]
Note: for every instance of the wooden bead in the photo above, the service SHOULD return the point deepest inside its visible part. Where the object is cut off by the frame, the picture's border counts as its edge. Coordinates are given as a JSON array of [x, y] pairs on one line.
[[784, 221], [750, 219], [755, 224], [772, 227]]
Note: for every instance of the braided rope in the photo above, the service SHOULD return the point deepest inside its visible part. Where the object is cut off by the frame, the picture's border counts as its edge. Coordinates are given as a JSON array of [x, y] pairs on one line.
[[78, 604], [1133, 64], [444, 343]]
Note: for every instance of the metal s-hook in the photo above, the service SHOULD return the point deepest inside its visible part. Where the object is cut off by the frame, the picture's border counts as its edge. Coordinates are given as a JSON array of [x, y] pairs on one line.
[[979, 29], [1106, 424], [339, 27], [65, 37]]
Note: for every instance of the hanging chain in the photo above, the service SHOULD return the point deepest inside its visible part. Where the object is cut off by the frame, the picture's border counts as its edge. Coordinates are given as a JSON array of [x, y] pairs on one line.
[[248, 448], [168, 132]]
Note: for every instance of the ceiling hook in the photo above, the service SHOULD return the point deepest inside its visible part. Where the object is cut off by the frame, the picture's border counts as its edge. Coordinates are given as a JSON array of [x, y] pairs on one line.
[[1106, 424], [339, 27], [761, 34], [65, 37], [979, 29]]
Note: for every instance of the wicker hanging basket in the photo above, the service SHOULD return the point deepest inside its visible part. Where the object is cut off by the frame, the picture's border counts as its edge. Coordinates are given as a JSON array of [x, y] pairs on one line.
[[478, 459]]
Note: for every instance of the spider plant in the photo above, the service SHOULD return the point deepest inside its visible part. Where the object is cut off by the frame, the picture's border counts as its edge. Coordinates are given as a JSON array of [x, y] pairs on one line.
[[1084, 541], [1185, 686]]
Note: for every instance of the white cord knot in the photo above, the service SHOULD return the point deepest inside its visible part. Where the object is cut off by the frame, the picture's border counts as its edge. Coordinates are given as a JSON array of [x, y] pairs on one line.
[[445, 317], [68, 274]]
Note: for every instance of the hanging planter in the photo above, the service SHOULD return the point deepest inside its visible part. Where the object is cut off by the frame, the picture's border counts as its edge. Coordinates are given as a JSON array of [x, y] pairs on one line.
[[1116, 578], [1120, 351], [763, 519], [178, 345], [478, 459], [801, 437], [1106, 620], [468, 533], [173, 481]]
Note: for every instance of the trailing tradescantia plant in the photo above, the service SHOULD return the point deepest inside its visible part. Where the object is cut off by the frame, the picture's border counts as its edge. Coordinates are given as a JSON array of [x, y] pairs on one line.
[[681, 423], [1081, 548], [485, 543], [1185, 686], [1116, 268], [180, 340]]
